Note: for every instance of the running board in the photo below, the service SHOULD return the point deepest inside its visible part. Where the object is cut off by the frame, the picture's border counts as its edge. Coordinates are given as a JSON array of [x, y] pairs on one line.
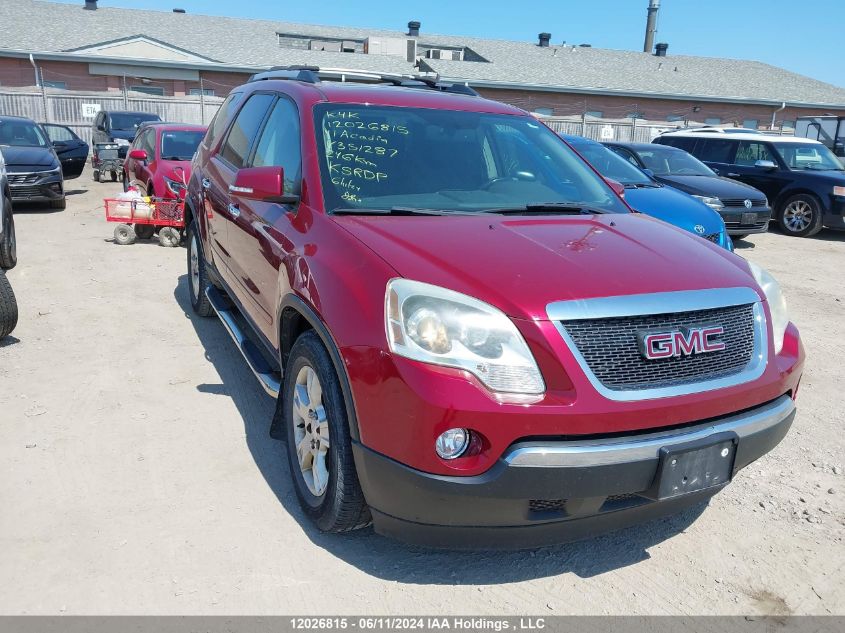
[[269, 378]]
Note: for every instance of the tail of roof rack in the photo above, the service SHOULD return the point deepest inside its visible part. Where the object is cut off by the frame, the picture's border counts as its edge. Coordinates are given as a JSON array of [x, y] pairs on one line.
[[315, 74]]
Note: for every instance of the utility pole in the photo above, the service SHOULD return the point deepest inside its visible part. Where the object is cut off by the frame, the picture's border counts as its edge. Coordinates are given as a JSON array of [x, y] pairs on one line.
[[651, 25], [125, 96]]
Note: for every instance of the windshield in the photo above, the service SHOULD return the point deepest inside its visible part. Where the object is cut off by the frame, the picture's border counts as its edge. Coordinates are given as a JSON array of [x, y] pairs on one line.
[[22, 133], [180, 144], [130, 120], [379, 157], [672, 162], [800, 156], [610, 165]]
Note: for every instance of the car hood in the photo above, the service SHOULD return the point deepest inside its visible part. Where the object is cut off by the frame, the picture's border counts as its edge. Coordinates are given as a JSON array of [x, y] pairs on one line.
[[17, 156], [521, 264], [170, 168], [128, 135], [713, 186], [675, 207]]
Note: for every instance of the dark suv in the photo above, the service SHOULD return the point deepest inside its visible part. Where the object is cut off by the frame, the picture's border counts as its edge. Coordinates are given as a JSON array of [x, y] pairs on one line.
[[470, 337], [119, 126], [802, 179]]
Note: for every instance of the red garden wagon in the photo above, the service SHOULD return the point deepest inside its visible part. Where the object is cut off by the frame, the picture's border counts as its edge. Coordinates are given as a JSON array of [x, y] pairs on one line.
[[141, 217]]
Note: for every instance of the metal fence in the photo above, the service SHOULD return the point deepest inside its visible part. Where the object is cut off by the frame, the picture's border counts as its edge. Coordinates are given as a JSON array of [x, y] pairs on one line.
[[623, 130], [77, 109]]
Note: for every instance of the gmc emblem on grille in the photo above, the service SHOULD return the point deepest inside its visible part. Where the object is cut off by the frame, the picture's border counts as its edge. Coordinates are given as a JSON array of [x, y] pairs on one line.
[[683, 342]]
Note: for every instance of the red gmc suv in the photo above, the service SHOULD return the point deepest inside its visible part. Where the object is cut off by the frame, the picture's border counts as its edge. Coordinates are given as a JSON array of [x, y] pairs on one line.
[[472, 340]]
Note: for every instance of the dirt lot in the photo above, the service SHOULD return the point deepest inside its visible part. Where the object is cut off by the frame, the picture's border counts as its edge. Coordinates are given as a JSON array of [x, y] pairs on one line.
[[137, 476]]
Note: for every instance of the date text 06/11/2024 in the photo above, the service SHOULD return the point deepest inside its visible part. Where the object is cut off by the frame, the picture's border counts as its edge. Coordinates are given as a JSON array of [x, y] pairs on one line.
[[456, 623]]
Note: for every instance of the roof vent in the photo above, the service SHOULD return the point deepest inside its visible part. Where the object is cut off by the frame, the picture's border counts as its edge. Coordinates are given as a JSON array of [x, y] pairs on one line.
[[414, 28], [660, 49], [545, 38], [91, 5], [179, 11]]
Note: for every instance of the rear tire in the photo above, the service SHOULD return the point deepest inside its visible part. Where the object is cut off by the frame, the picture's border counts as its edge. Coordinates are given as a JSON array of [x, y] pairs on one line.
[[318, 445], [800, 216], [8, 307], [8, 247], [124, 234], [96, 175], [197, 277], [114, 176], [169, 237]]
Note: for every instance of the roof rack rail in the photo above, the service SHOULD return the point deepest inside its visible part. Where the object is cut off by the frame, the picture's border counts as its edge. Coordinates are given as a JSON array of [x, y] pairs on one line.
[[315, 74]]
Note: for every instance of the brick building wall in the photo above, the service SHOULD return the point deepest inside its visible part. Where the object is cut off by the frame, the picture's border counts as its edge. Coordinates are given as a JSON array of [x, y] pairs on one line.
[[75, 76]]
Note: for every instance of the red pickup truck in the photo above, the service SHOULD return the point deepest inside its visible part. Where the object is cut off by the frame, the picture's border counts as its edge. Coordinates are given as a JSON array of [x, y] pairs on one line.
[[472, 339]]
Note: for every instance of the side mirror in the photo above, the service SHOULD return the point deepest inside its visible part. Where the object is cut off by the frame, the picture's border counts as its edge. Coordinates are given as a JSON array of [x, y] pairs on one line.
[[138, 154], [618, 187], [648, 172], [839, 149], [765, 164], [101, 127], [262, 183]]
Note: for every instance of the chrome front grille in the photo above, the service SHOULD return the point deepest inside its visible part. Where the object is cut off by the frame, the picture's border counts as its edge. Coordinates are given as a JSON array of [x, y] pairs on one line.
[[740, 202], [609, 348]]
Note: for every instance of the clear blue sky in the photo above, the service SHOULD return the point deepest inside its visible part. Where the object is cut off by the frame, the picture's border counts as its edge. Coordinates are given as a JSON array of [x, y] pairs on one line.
[[805, 37]]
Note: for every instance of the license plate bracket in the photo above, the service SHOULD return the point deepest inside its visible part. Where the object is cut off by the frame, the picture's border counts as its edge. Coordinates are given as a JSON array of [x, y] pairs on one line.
[[749, 218], [695, 467]]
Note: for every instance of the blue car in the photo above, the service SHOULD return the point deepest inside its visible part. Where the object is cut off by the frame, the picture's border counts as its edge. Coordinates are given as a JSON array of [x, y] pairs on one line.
[[644, 194]]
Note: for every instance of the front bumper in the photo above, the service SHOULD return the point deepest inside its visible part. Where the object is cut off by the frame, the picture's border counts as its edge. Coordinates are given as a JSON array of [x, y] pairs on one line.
[[742, 221], [835, 219], [544, 492], [36, 186]]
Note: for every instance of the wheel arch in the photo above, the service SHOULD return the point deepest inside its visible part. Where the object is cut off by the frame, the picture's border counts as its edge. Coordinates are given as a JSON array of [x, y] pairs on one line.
[[798, 191], [295, 317]]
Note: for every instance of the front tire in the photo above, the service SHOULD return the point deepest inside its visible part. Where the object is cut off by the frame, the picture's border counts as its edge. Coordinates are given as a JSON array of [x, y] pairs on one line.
[[8, 247], [318, 445], [8, 307], [59, 204], [124, 234], [800, 216], [197, 276]]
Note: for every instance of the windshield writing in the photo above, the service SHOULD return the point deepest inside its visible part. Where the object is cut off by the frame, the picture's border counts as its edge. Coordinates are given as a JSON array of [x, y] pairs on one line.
[[380, 157]]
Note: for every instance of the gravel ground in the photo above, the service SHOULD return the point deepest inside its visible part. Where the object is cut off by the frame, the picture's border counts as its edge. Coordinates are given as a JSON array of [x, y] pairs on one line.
[[137, 476]]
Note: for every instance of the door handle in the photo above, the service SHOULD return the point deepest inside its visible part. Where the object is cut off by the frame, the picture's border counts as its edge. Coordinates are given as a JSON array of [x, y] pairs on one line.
[[206, 183], [733, 175], [234, 210]]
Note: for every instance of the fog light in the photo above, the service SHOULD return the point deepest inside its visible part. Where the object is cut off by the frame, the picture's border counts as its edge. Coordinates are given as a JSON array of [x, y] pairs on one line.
[[453, 443]]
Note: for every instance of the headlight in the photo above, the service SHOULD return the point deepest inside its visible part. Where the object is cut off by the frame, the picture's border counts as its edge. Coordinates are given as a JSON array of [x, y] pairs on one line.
[[713, 203], [776, 301], [839, 191], [175, 186], [121, 141], [439, 326]]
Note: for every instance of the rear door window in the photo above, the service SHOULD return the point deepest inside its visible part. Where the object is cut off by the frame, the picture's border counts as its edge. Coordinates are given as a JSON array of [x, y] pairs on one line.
[[715, 150], [748, 153], [239, 140]]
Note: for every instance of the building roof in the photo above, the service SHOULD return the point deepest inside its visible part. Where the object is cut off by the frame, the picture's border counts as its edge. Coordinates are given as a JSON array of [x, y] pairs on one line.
[[202, 41]]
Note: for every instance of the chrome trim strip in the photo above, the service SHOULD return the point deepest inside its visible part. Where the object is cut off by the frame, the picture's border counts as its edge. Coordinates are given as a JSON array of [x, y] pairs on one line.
[[657, 303], [270, 382], [603, 452]]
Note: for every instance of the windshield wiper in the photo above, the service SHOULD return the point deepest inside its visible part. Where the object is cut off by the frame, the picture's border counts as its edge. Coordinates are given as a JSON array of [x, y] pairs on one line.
[[548, 207], [391, 211], [642, 185]]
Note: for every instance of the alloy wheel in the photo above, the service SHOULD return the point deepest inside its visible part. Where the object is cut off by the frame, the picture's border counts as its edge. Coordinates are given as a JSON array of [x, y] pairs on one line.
[[797, 216], [311, 431], [195, 269]]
